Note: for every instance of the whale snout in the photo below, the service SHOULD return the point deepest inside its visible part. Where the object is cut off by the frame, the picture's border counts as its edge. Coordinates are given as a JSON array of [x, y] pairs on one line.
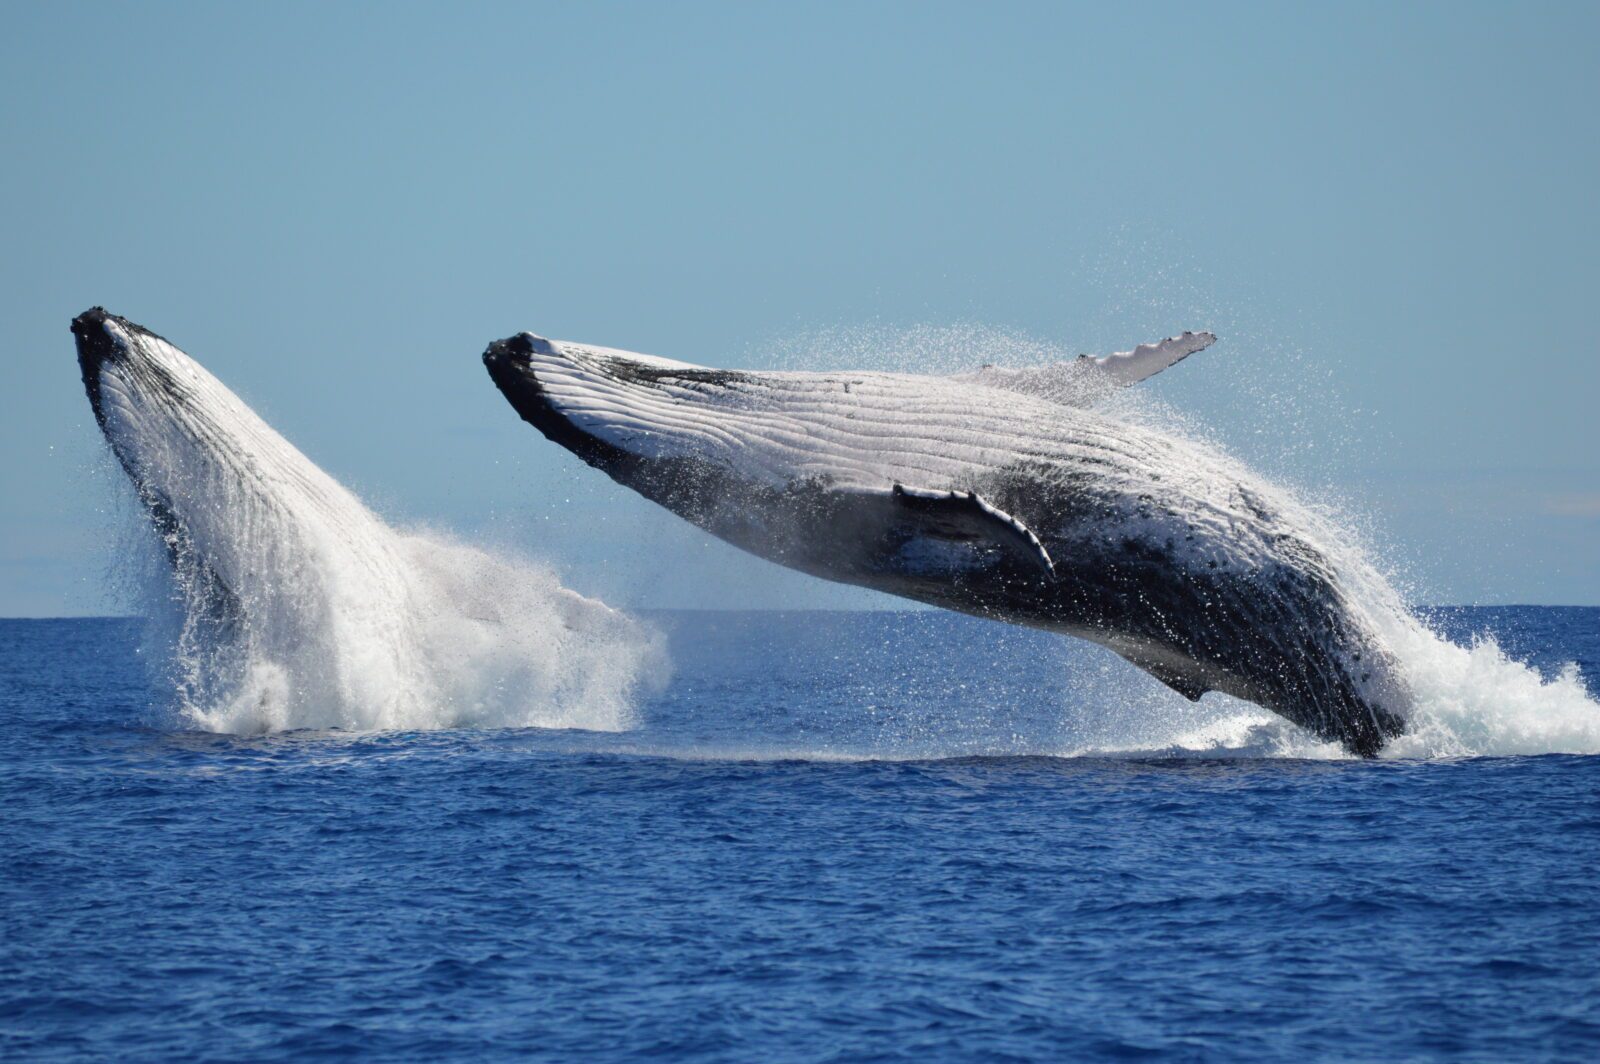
[[511, 364], [101, 339], [517, 352], [148, 397], [97, 338], [91, 319]]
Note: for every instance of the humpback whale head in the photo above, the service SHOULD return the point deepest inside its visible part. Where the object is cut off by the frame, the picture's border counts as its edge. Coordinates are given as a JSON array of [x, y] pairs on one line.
[[693, 439], [156, 407], [623, 412], [129, 374], [999, 493], [202, 462], [194, 450], [151, 402]]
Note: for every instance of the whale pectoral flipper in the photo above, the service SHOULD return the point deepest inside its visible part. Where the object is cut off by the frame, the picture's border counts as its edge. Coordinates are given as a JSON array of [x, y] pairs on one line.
[[1146, 360], [1088, 380], [930, 517]]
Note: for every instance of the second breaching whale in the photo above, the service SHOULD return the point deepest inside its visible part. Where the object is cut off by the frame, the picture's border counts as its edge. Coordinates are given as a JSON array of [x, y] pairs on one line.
[[296, 606], [1000, 493]]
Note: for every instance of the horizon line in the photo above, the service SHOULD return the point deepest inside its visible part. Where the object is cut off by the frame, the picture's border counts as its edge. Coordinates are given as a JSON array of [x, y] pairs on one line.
[[836, 609]]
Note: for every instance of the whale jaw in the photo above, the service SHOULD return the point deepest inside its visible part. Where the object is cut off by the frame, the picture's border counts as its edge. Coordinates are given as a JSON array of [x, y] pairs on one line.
[[96, 345], [112, 351], [510, 363], [122, 371]]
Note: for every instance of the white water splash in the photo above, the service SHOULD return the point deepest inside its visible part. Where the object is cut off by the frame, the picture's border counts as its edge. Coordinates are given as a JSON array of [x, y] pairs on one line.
[[490, 641], [1468, 701], [1475, 700]]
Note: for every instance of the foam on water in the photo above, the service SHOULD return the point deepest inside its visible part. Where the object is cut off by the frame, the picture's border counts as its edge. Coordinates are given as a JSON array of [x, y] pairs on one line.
[[1475, 700]]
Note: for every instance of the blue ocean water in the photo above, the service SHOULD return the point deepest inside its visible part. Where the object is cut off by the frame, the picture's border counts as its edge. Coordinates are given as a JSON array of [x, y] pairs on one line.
[[831, 837]]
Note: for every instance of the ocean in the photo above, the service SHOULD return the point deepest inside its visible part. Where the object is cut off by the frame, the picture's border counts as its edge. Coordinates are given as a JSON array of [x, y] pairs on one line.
[[823, 836]]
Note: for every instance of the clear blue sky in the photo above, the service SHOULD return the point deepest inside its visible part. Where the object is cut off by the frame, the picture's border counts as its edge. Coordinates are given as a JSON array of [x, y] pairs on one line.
[[1388, 212]]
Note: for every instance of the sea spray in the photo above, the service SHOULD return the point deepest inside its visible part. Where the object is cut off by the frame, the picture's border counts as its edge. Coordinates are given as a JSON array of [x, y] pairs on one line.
[[492, 641]]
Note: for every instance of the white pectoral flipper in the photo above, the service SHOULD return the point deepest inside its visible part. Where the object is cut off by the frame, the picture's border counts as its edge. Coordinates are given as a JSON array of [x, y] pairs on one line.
[[1146, 360], [1087, 378]]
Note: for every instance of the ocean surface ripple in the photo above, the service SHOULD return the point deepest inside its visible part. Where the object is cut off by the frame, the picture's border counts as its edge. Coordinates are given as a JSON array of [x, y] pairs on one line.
[[832, 836]]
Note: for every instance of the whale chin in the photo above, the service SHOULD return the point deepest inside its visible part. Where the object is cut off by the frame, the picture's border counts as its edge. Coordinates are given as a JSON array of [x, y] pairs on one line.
[[99, 338], [996, 493], [117, 360], [579, 395]]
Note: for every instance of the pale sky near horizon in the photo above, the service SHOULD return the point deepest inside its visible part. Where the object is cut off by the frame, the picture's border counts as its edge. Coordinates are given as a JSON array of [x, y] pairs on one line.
[[1387, 212]]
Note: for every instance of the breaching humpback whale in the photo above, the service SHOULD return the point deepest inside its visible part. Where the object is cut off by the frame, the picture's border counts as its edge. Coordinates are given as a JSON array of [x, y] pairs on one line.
[[266, 548], [297, 606], [998, 492]]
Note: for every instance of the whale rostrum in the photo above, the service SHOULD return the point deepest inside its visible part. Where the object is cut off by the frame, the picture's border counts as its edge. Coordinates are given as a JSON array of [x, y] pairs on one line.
[[1001, 493]]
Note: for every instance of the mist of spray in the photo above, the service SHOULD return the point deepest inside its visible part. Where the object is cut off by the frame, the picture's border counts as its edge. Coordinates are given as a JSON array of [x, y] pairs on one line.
[[474, 639]]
